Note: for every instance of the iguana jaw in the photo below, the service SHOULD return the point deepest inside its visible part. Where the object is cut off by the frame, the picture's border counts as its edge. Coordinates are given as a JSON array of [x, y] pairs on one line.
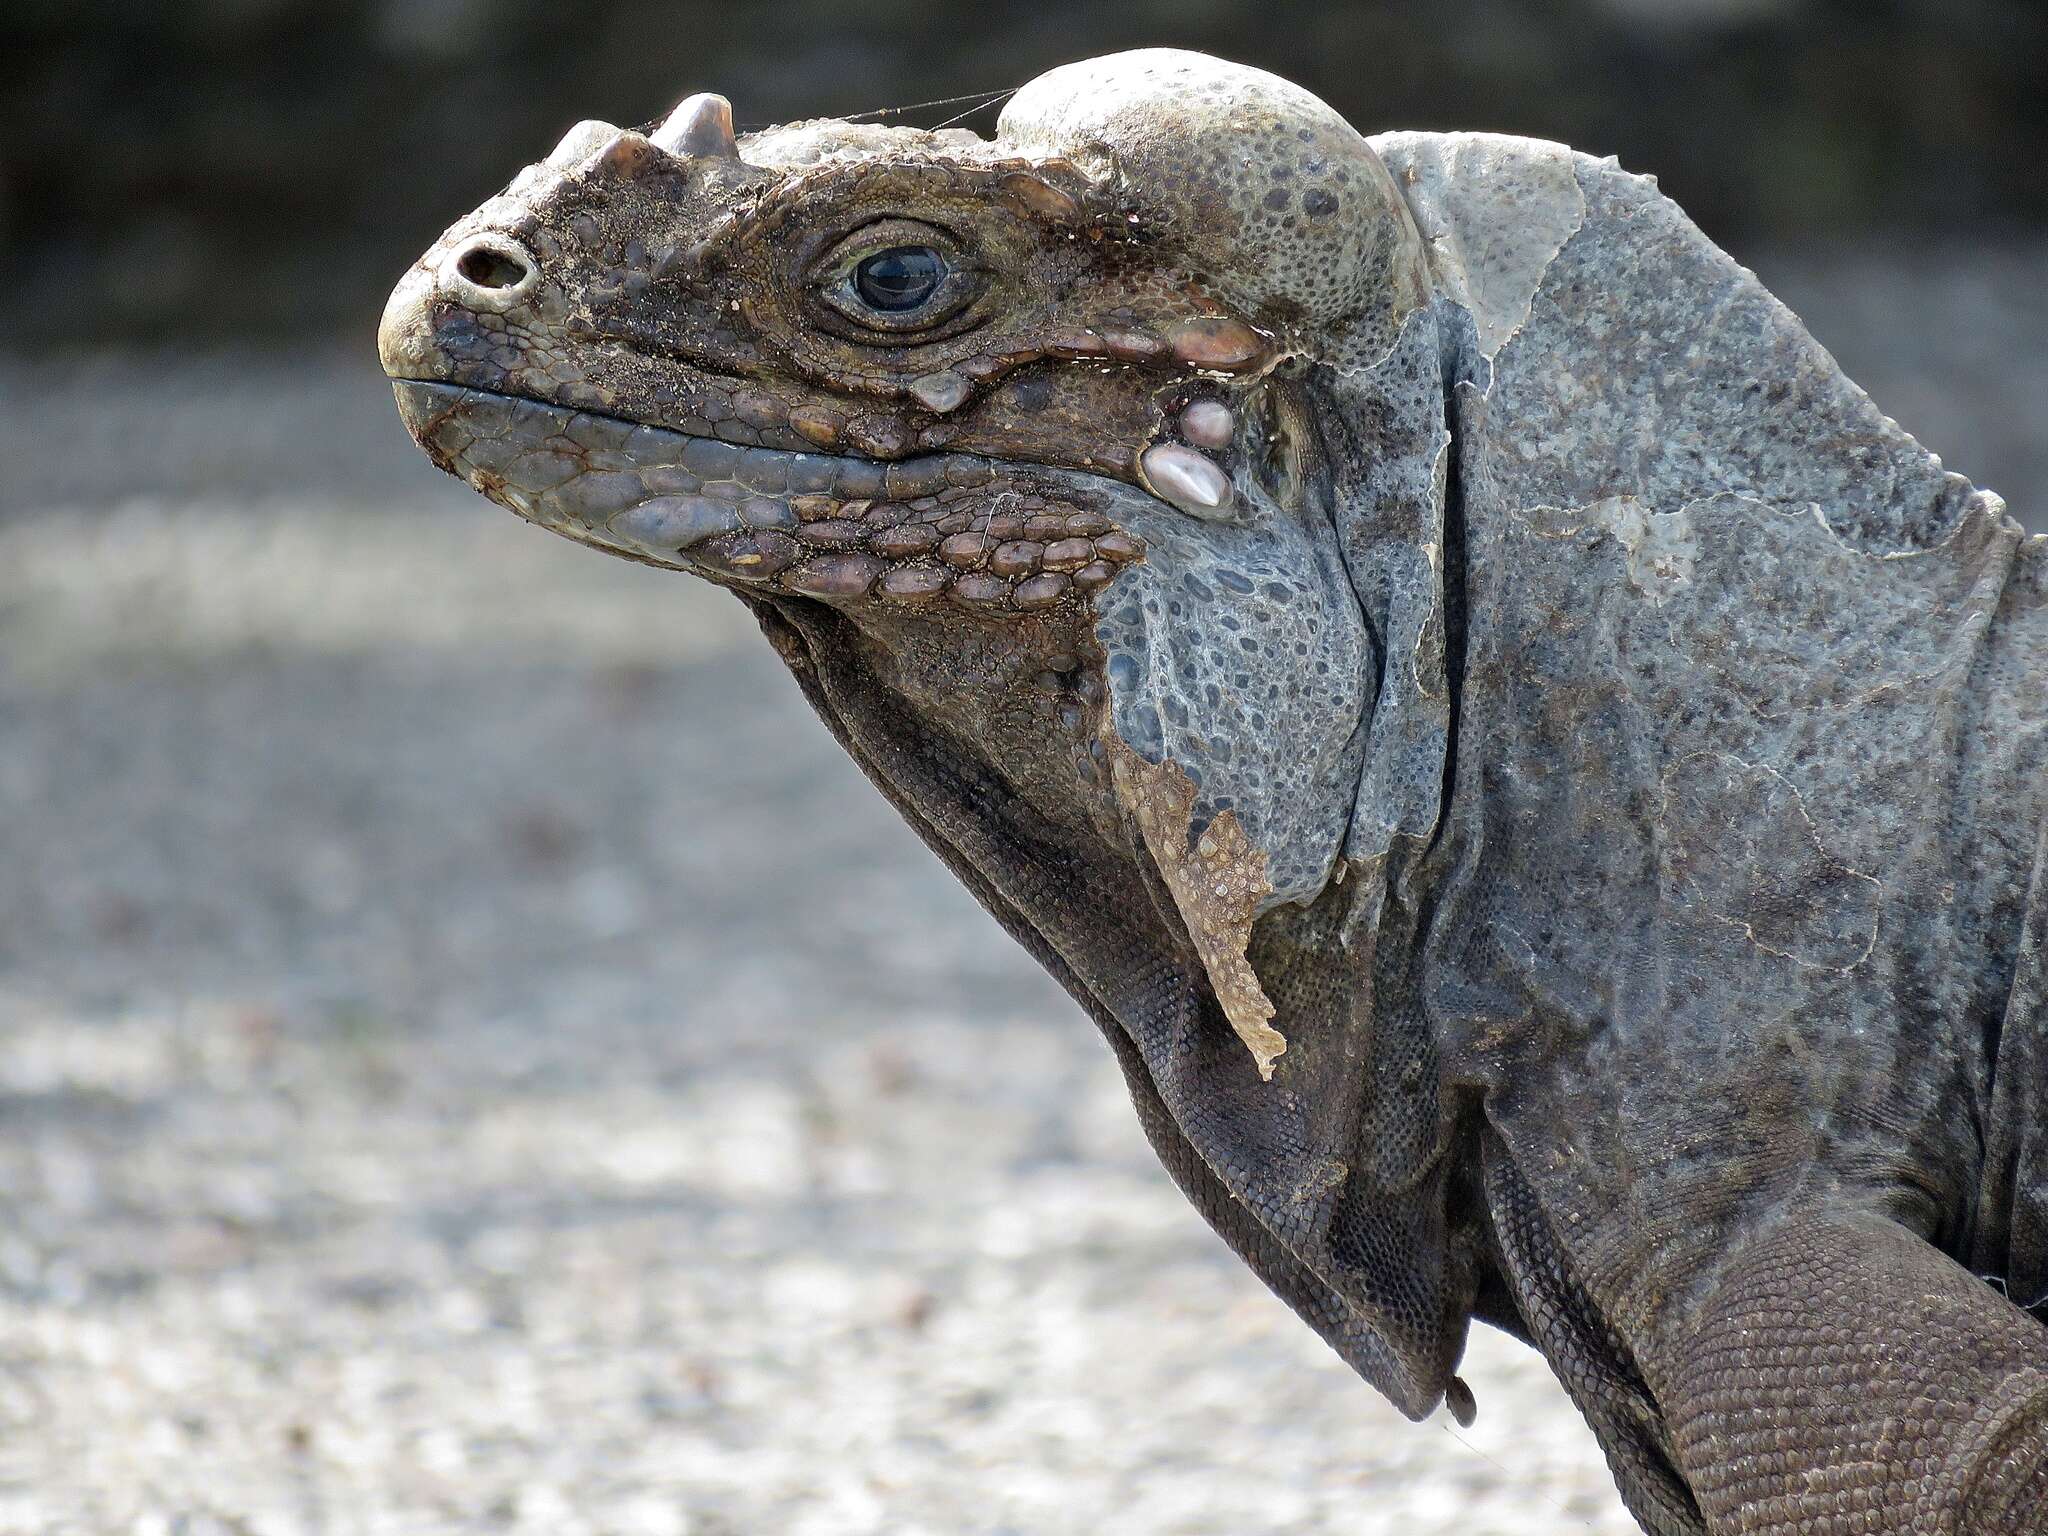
[[955, 528]]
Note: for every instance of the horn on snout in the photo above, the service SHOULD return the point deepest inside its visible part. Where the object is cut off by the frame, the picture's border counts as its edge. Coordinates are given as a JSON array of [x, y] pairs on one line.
[[581, 142], [700, 127], [1281, 203]]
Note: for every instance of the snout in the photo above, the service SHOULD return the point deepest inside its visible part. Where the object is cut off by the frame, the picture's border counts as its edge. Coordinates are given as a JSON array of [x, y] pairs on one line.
[[446, 300], [405, 336], [664, 497]]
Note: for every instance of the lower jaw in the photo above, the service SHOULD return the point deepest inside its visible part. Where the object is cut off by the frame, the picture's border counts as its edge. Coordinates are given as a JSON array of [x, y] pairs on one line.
[[952, 528]]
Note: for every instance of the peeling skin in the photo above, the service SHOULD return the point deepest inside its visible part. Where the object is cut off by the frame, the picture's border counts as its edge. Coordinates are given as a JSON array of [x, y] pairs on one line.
[[1218, 880], [1410, 611], [1661, 546], [1493, 213]]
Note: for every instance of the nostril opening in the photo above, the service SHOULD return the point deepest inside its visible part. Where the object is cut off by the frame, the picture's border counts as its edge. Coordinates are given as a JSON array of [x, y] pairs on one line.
[[489, 271], [489, 267]]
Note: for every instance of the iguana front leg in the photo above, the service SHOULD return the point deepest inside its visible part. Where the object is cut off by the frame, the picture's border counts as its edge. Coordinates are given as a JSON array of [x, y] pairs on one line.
[[1848, 1379]]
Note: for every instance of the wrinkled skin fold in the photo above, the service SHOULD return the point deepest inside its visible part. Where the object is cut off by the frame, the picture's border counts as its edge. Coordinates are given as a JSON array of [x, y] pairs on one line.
[[1536, 778]]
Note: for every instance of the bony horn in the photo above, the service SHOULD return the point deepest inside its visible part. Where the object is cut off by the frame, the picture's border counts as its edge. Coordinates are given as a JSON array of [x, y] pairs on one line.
[[700, 127]]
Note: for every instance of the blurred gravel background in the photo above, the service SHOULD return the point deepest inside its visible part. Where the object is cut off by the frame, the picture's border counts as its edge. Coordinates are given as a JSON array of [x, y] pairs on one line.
[[473, 1057]]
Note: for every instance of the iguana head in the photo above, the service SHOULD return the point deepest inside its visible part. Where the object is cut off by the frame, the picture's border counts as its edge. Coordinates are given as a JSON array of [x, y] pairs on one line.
[[1039, 459]]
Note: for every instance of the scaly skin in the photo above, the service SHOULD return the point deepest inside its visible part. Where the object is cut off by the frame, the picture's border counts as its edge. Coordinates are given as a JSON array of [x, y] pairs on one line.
[[1539, 784]]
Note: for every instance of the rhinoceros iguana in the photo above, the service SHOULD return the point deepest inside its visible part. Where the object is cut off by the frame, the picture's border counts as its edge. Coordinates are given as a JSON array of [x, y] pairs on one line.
[[1539, 782]]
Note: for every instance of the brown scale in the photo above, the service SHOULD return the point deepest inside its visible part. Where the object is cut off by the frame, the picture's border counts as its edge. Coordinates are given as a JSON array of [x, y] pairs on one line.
[[923, 550]]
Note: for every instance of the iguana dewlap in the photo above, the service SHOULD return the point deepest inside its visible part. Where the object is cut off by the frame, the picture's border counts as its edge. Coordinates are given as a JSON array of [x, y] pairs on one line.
[[1539, 782]]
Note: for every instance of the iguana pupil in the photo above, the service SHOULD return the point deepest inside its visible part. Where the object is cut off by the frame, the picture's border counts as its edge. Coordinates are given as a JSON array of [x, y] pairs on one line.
[[900, 278]]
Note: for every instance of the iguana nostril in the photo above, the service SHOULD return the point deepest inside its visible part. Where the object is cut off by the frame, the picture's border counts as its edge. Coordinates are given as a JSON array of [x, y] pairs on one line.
[[488, 268], [491, 271]]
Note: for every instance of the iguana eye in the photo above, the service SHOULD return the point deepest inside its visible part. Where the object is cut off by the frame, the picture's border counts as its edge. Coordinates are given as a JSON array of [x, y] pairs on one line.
[[900, 278], [903, 278]]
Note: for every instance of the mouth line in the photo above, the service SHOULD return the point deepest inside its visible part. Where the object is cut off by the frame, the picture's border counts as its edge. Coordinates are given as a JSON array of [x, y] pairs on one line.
[[804, 448], [977, 532]]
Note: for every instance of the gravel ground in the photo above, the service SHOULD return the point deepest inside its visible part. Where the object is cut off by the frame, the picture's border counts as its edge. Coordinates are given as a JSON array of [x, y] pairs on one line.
[[475, 1057]]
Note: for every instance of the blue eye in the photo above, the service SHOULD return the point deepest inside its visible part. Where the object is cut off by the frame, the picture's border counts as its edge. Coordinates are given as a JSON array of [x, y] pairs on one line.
[[899, 279]]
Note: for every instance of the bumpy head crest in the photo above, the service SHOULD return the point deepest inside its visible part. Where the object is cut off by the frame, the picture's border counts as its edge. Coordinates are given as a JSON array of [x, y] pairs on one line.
[[1279, 202]]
